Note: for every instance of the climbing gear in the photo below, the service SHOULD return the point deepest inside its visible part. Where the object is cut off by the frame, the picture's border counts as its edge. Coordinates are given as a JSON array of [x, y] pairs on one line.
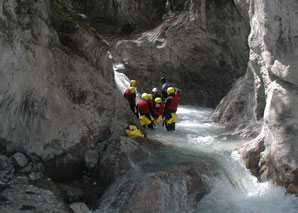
[[170, 90], [158, 100], [133, 131], [155, 90], [133, 83], [132, 90], [149, 96], [173, 118], [145, 96], [144, 120]]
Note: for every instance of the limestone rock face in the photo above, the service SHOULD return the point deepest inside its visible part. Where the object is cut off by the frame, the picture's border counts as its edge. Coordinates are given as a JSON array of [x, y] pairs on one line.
[[202, 50], [53, 98], [125, 15], [273, 43]]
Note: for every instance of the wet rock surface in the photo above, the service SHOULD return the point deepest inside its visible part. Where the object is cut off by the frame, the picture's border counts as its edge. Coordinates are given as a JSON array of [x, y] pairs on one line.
[[178, 189], [272, 98], [61, 111], [18, 198]]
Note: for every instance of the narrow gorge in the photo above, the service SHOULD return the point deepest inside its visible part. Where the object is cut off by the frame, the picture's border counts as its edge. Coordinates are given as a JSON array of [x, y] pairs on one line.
[[63, 145]]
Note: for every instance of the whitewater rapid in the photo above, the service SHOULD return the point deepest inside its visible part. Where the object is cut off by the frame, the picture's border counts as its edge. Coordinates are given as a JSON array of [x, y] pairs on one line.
[[235, 189]]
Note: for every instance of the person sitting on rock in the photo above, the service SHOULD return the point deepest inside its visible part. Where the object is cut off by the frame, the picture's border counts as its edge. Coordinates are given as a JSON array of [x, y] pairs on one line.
[[159, 106], [171, 104], [130, 96], [143, 110], [164, 87]]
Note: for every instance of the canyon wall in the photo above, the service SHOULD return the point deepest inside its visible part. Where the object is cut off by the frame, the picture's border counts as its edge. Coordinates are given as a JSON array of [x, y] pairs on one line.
[[202, 50], [56, 87], [268, 95]]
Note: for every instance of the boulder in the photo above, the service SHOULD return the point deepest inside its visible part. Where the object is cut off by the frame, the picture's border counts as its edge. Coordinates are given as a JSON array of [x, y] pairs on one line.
[[20, 159], [17, 198], [79, 207], [6, 163], [118, 156], [178, 189]]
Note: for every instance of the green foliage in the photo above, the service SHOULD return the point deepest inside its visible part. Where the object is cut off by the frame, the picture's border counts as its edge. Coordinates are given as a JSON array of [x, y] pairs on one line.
[[62, 10]]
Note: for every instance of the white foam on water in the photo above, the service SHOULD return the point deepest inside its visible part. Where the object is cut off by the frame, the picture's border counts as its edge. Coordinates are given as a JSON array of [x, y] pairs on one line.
[[122, 81], [236, 189]]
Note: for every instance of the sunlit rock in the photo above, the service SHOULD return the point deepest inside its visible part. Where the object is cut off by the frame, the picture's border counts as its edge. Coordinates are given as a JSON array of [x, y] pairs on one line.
[[54, 97], [272, 103]]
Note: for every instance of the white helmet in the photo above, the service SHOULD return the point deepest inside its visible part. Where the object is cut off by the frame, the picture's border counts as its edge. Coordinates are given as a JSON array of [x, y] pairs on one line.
[[155, 90]]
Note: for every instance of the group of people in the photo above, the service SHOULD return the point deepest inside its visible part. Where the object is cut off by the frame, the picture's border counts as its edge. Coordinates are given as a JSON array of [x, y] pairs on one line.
[[155, 108]]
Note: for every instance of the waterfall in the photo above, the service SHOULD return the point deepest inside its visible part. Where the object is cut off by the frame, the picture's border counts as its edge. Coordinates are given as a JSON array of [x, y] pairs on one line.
[[121, 80]]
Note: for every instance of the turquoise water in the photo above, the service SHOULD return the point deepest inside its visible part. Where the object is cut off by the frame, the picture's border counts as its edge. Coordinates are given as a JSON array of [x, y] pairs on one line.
[[234, 189]]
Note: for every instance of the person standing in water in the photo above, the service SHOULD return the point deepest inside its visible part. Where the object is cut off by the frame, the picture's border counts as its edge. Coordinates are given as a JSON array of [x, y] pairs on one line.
[[159, 106], [171, 105], [144, 109], [155, 93], [164, 86]]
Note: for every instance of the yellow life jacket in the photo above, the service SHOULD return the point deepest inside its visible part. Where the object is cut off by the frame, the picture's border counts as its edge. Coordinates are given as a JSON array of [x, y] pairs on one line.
[[159, 119], [173, 118], [144, 120], [133, 131], [151, 117]]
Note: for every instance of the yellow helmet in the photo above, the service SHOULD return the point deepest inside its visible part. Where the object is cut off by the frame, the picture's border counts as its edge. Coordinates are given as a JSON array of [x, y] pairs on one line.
[[150, 97], [158, 100], [133, 83], [145, 96], [170, 90], [132, 90]]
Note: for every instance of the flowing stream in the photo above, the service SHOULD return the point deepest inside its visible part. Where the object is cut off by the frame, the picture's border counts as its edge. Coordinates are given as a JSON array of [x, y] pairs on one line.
[[235, 189]]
